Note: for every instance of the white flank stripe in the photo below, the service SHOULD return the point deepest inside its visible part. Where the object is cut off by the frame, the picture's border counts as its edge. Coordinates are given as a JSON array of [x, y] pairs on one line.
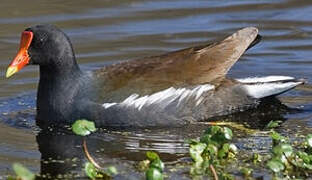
[[107, 105], [268, 89], [165, 97], [264, 79]]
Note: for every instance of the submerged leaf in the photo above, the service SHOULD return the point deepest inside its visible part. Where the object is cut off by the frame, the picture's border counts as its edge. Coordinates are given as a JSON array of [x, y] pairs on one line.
[[83, 127], [273, 124], [112, 170], [22, 172], [246, 171]]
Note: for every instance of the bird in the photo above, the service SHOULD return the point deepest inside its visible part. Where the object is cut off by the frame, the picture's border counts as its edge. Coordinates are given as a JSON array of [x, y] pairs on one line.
[[168, 90]]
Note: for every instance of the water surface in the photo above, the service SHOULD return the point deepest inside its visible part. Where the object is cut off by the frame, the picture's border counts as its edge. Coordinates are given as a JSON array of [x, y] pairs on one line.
[[106, 32]]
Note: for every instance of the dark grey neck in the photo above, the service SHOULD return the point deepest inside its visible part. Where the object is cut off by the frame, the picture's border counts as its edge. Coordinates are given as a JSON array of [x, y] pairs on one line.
[[60, 69], [59, 86]]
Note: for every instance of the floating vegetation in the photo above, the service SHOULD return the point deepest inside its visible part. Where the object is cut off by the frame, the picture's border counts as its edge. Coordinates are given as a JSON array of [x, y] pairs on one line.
[[155, 167], [95, 173], [212, 152], [213, 155], [22, 173], [288, 162], [83, 127], [273, 124], [92, 169]]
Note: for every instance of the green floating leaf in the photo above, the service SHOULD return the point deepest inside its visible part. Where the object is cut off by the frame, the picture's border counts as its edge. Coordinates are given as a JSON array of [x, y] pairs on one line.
[[22, 172], [277, 138], [156, 166], [217, 135], [273, 124], [91, 171], [304, 157], [206, 138], [212, 150], [308, 166], [276, 166], [212, 130], [309, 140], [157, 163], [154, 174], [233, 148], [224, 151], [256, 158], [151, 155], [143, 165], [196, 150], [83, 127], [228, 134], [283, 149], [227, 176]]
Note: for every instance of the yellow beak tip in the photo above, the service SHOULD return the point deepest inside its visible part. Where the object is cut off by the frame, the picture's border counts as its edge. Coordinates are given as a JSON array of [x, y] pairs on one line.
[[11, 71]]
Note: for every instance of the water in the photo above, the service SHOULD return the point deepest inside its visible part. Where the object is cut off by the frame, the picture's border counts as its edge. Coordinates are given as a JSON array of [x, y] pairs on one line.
[[105, 32]]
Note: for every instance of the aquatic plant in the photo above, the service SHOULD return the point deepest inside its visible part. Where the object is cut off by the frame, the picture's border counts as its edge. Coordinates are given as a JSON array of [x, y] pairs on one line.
[[153, 165], [212, 151], [22, 173], [92, 169], [286, 161], [83, 127], [213, 155]]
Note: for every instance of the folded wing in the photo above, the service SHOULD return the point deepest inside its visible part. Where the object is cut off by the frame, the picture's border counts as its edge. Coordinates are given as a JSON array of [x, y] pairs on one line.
[[191, 66]]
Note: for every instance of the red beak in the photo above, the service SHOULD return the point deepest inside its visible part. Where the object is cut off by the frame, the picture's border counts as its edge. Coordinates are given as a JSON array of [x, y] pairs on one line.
[[22, 57]]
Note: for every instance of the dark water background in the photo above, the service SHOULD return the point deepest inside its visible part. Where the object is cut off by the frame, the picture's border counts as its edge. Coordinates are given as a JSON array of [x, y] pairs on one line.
[[107, 31]]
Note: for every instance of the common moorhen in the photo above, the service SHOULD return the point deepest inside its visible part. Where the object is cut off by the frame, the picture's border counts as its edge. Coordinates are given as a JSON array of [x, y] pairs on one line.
[[172, 89]]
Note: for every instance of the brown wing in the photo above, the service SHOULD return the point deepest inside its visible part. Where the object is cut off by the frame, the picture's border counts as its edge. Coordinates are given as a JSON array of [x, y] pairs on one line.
[[191, 66]]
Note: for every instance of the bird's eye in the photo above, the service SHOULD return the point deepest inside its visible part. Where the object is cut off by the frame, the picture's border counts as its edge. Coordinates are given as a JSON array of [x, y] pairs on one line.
[[41, 40]]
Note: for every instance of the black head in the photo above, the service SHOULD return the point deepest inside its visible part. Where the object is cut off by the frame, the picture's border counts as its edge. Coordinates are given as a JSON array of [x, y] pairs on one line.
[[49, 45], [43, 45]]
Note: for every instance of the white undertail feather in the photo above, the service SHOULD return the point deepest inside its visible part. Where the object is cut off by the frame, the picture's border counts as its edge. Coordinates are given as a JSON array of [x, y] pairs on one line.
[[264, 79], [260, 87], [165, 97]]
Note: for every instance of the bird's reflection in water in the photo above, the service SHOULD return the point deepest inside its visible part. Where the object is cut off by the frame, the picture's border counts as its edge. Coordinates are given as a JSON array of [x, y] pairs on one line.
[[62, 152]]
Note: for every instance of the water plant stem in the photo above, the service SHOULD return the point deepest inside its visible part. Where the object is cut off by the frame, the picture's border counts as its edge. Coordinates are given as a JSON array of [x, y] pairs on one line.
[[214, 173], [87, 154]]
